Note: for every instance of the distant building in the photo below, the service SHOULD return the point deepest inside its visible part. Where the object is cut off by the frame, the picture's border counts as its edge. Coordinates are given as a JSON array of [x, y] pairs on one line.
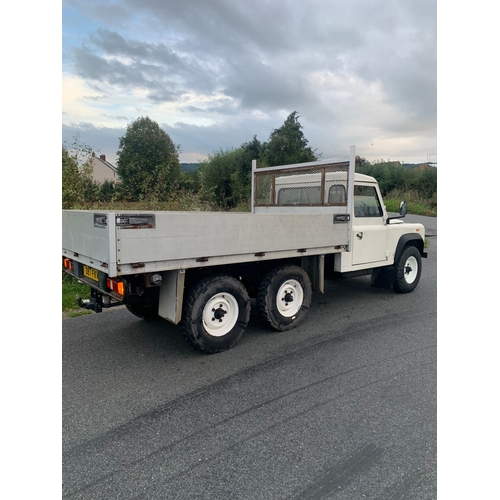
[[102, 169]]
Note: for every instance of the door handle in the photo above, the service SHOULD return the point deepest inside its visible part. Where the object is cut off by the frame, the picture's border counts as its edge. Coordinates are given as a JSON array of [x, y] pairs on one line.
[[360, 235]]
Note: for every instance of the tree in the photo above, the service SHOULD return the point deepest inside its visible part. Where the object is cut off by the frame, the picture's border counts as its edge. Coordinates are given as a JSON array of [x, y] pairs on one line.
[[241, 178], [70, 179], [218, 177], [225, 178], [78, 187], [148, 161], [360, 161], [288, 144]]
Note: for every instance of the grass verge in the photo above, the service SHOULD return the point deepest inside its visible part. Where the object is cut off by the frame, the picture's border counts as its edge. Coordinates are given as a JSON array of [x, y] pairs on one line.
[[414, 208], [71, 288]]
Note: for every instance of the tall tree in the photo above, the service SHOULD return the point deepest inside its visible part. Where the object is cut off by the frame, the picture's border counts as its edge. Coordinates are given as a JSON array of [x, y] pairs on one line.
[[78, 187], [288, 144], [218, 177], [71, 180], [225, 177], [241, 179], [148, 161]]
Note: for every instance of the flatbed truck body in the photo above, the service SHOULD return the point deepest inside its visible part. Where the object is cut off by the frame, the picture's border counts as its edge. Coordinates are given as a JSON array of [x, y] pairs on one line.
[[308, 222]]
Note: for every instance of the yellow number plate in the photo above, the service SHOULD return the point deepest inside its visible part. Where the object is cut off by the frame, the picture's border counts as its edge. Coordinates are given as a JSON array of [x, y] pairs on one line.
[[91, 273]]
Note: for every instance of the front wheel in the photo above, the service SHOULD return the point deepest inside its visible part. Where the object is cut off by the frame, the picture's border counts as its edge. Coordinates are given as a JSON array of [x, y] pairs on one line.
[[216, 313], [284, 297], [407, 270]]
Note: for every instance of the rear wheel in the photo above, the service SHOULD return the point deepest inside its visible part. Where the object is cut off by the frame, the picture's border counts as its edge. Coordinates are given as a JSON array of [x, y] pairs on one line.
[[408, 269], [284, 297], [216, 313]]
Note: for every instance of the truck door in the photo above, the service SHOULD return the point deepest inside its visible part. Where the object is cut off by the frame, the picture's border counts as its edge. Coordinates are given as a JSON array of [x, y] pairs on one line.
[[370, 234]]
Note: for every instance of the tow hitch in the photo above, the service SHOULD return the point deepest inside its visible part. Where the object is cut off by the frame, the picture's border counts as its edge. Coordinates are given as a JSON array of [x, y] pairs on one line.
[[96, 302]]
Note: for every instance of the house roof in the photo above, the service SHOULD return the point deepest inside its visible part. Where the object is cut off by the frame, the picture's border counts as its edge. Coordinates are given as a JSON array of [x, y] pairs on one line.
[[102, 159]]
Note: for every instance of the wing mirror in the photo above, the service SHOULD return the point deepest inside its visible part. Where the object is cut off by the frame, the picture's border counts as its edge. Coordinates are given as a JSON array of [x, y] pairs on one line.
[[402, 212], [402, 208]]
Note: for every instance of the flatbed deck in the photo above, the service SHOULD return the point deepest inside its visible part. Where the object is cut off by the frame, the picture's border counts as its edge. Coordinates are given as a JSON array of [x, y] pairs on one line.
[[182, 240]]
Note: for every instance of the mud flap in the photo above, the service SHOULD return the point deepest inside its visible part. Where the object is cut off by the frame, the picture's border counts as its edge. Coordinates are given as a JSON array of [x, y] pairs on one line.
[[383, 277], [171, 296]]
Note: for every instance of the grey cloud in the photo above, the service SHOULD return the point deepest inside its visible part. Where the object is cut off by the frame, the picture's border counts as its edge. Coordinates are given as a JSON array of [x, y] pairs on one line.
[[267, 88], [151, 66], [115, 117], [106, 12], [408, 80], [221, 106], [267, 50], [102, 139], [224, 135], [115, 45], [167, 75], [100, 70], [260, 55], [224, 24]]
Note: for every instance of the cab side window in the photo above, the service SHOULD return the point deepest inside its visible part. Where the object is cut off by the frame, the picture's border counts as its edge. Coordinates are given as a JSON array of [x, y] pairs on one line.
[[366, 202]]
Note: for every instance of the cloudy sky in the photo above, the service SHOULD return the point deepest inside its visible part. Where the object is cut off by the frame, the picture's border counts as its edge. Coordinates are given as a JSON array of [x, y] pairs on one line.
[[213, 73]]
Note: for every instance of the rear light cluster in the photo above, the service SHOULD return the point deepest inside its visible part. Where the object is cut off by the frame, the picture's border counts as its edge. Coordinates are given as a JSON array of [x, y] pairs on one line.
[[68, 264], [116, 286]]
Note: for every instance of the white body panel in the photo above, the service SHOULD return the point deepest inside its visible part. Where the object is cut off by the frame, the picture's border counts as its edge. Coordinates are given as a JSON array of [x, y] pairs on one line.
[[369, 242], [85, 243], [374, 241], [180, 238]]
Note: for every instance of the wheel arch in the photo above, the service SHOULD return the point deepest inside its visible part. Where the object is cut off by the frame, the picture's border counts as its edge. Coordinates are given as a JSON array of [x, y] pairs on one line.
[[407, 240]]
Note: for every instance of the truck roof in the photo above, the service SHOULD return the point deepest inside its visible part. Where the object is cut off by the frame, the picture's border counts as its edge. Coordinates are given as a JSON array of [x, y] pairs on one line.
[[364, 178], [314, 178]]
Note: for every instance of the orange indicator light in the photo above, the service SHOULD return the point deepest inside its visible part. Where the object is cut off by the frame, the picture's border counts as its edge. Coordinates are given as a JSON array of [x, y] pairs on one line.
[[116, 286]]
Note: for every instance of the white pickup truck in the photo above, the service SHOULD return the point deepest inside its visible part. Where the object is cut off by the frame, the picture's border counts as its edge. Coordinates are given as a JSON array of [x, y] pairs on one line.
[[308, 222]]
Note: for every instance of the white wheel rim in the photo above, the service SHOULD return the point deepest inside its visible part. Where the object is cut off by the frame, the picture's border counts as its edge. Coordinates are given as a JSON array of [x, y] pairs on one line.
[[410, 270], [220, 314], [290, 298]]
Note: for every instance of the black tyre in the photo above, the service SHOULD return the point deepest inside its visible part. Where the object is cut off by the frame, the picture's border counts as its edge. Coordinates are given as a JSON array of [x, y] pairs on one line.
[[147, 311], [216, 313], [284, 297], [407, 269]]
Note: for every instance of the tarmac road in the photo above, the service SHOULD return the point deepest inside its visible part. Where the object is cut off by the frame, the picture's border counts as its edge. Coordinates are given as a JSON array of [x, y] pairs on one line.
[[342, 407], [430, 223]]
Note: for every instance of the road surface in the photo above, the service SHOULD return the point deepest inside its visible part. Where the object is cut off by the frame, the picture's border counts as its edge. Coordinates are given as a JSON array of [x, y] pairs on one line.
[[342, 407]]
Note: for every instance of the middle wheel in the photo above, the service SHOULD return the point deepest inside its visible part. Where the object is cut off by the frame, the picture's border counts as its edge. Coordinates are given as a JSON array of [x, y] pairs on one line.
[[284, 297]]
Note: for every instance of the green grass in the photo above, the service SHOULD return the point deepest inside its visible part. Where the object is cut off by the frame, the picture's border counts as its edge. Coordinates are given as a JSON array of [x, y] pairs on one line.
[[414, 207], [417, 205], [71, 288]]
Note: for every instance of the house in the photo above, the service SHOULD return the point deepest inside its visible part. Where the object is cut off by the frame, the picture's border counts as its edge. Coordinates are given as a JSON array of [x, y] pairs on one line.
[[102, 169]]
